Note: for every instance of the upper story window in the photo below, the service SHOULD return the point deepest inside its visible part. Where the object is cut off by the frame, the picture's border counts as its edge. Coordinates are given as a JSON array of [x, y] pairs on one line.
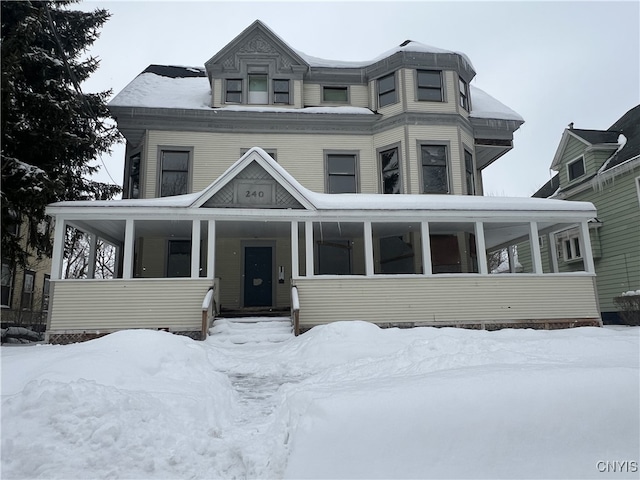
[[281, 91], [464, 94], [133, 187], [341, 169], [430, 85], [45, 292], [7, 282], [174, 172], [234, 91], [387, 90], [435, 176], [335, 94], [390, 170], [469, 173], [258, 91], [575, 169]]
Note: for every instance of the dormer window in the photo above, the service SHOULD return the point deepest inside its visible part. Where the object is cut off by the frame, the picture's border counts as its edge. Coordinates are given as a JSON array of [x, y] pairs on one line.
[[575, 169], [258, 91], [281, 91], [335, 94], [234, 91]]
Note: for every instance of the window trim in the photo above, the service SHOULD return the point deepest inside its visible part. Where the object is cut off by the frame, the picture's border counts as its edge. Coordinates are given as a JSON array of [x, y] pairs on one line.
[[354, 153], [418, 87], [173, 148], [572, 252], [226, 91], [573, 162], [386, 148], [335, 87], [437, 143], [394, 90], [273, 152], [274, 93], [466, 151]]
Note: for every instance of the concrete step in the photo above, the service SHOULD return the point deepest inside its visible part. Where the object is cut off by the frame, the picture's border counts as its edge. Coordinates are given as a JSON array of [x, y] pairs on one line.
[[252, 329]]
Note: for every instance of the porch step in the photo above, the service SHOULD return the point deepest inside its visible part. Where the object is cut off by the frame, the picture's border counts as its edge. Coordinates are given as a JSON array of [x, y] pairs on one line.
[[260, 312], [252, 329]]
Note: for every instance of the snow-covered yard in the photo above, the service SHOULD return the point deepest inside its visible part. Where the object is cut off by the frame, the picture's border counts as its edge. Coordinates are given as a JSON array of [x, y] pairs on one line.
[[347, 400]]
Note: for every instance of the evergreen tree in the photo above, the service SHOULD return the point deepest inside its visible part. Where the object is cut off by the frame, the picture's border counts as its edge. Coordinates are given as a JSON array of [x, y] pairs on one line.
[[51, 131]]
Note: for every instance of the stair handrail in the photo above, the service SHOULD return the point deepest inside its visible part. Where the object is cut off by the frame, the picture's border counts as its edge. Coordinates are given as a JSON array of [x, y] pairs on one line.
[[208, 310], [295, 310]]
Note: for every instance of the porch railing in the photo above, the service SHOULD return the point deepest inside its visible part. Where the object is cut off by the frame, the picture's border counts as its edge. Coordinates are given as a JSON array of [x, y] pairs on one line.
[[295, 311], [208, 311]]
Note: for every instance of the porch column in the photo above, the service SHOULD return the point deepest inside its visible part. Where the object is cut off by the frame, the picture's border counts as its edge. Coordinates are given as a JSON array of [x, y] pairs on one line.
[[511, 255], [553, 252], [129, 239], [308, 253], [427, 268], [535, 247], [211, 249], [295, 250], [93, 245], [58, 249], [195, 248], [585, 248], [481, 249], [368, 250]]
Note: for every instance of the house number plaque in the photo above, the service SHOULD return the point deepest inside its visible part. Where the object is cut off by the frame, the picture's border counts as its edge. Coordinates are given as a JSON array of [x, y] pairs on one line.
[[255, 193]]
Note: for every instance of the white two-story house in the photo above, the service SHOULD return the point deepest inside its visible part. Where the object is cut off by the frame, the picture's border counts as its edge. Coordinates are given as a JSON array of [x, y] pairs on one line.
[[354, 188]]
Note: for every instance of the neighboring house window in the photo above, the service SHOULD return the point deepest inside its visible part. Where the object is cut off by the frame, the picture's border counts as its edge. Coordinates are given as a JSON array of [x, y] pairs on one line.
[[26, 302], [387, 90], [335, 94], [469, 173], [576, 169], [134, 176], [435, 177], [341, 173], [234, 91], [7, 282], [430, 85], [174, 172], [179, 258], [569, 246], [464, 94], [273, 153], [281, 91], [390, 170], [45, 292], [258, 91]]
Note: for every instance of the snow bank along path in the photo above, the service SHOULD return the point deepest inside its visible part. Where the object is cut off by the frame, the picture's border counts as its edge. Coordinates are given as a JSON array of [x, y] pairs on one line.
[[346, 400]]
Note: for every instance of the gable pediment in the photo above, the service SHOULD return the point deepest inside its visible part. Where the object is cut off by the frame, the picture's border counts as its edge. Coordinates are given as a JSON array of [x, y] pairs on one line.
[[257, 43]]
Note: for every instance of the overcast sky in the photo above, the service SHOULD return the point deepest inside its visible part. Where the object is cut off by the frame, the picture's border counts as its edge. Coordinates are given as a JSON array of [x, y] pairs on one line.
[[552, 62]]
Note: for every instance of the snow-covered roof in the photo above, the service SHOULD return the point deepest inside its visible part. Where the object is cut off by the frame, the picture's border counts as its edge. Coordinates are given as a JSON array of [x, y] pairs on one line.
[[485, 106], [346, 202]]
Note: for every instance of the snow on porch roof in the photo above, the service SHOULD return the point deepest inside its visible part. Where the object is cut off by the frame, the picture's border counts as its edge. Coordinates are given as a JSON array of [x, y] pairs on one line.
[[347, 202]]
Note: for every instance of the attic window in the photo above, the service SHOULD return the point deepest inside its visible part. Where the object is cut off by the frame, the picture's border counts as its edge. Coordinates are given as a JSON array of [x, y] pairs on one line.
[[335, 94], [234, 91], [258, 91], [576, 169]]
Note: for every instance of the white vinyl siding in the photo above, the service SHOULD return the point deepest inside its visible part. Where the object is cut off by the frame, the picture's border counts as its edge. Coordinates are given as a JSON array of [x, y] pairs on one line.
[[151, 303], [446, 300]]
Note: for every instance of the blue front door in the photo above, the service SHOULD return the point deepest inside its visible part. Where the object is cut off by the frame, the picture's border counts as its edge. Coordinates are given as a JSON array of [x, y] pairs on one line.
[[258, 276]]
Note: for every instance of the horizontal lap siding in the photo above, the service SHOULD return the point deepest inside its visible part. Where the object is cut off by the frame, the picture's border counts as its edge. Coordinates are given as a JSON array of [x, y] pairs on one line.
[[413, 105], [446, 299], [119, 304]]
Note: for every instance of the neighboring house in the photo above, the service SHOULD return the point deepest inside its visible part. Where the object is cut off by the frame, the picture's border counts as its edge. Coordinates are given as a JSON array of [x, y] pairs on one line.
[[25, 291], [352, 187], [601, 167]]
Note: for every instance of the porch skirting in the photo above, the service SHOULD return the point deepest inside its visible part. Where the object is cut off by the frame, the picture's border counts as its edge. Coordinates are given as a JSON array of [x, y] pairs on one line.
[[77, 336]]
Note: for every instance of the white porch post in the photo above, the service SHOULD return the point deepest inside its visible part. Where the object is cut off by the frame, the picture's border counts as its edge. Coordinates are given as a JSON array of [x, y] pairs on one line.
[[427, 268], [295, 254], [368, 249], [585, 248], [129, 239], [553, 252], [481, 248], [511, 255], [93, 245], [535, 247], [58, 249], [308, 251], [211, 249], [195, 248]]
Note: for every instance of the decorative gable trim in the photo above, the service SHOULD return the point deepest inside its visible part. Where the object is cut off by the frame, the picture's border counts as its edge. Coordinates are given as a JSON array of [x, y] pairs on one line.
[[288, 193], [566, 135]]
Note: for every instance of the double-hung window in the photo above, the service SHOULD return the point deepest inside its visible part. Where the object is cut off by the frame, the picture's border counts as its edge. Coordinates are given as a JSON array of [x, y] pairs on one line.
[[335, 94], [233, 91], [570, 246], [387, 90], [26, 302], [464, 94], [430, 85], [575, 169], [133, 188], [469, 173], [341, 173], [390, 170], [281, 91], [174, 172], [435, 176]]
